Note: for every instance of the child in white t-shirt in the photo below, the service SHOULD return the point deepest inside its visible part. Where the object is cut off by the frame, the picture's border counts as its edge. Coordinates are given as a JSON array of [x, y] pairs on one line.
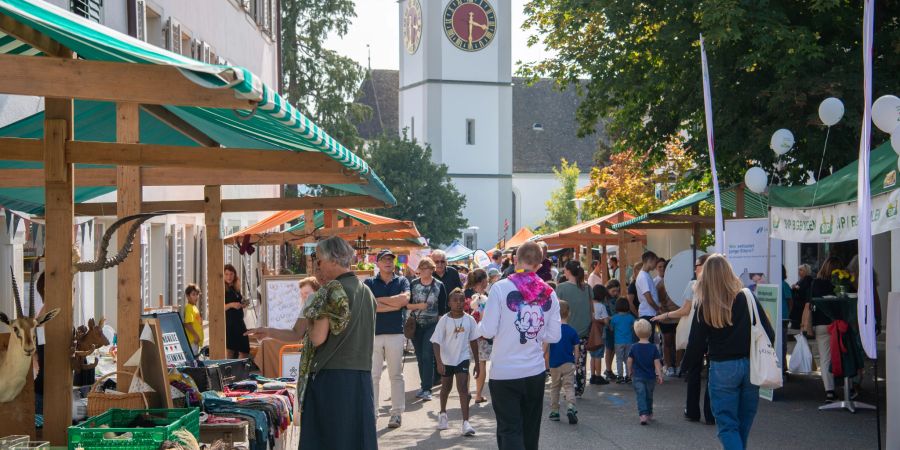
[[455, 341]]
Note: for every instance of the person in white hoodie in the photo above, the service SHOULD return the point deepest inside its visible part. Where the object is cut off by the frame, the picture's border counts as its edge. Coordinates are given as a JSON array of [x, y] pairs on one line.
[[521, 314]]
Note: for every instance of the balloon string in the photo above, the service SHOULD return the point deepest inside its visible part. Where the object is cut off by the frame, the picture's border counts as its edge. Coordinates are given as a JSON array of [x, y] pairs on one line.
[[821, 162]]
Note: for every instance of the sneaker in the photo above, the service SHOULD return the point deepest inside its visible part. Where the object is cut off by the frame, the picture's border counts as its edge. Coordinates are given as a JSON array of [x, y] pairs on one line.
[[426, 396], [394, 422], [594, 379], [620, 380], [644, 420], [609, 375], [554, 416], [627, 380], [829, 396], [601, 380], [420, 393], [854, 394], [670, 372], [443, 421], [572, 415], [467, 429]]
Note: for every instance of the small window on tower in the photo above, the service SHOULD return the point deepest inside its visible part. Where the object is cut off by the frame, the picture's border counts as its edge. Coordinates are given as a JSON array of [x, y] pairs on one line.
[[470, 131]]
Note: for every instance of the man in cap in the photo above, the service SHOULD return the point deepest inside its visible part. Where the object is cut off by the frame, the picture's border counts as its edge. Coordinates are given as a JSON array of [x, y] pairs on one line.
[[391, 293]]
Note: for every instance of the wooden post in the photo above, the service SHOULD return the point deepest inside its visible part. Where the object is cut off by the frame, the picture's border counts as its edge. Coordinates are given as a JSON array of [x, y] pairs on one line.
[[309, 227], [623, 253], [215, 276], [128, 201], [739, 201], [59, 210], [695, 230], [604, 263]]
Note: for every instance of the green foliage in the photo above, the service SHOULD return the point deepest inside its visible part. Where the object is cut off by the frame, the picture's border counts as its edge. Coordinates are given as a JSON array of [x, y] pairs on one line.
[[771, 63], [319, 81], [561, 211], [425, 194]]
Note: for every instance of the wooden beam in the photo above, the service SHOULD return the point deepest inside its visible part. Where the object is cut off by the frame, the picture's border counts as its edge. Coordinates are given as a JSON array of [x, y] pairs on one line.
[[622, 253], [129, 304], [169, 118], [20, 149], [181, 157], [157, 176], [669, 226], [110, 81], [682, 218], [309, 229], [31, 37], [604, 265], [238, 205], [59, 197], [393, 243], [215, 261]]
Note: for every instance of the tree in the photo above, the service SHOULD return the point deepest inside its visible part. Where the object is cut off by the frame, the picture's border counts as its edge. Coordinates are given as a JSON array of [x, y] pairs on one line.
[[771, 63], [630, 182], [425, 194], [319, 81], [561, 211]]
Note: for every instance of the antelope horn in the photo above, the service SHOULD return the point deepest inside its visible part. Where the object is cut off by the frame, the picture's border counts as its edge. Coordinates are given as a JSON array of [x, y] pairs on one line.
[[34, 278], [101, 262], [15, 287]]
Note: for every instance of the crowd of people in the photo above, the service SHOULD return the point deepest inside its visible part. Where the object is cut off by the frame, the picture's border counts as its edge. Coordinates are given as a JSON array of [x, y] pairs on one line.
[[519, 326]]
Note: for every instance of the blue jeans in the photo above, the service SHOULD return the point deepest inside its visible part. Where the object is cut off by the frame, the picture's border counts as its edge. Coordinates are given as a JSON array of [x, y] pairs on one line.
[[643, 390], [425, 355], [734, 401]]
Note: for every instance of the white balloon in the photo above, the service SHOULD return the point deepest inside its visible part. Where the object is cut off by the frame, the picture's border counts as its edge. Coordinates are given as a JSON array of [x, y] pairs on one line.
[[895, 140], [756, 180], [782, 141], [830, 111], [886, 113]]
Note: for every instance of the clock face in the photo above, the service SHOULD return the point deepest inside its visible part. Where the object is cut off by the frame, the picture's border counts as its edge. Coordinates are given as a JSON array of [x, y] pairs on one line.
[[412, 26], [470, 24]]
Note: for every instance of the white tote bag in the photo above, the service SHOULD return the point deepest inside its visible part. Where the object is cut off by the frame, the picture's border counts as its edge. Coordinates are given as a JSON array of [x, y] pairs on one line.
[[764, 370], [683, 330], [801, 357]]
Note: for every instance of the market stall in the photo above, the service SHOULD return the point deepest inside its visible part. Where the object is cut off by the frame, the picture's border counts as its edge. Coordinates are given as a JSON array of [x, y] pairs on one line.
[[600, 232], [158, 111]]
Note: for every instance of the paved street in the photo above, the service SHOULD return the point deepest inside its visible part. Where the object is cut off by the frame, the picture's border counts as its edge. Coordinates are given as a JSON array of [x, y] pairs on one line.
[[608, 420]]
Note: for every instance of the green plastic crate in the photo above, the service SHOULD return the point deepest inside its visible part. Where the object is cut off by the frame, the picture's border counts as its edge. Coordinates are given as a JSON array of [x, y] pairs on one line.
[[89, 435]]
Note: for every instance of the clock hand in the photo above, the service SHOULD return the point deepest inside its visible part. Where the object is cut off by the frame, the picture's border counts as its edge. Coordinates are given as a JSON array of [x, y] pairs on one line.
[[471, 22]]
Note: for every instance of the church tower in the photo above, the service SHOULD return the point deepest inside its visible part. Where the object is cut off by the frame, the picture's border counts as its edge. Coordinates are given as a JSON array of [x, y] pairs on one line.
[[456, 96]]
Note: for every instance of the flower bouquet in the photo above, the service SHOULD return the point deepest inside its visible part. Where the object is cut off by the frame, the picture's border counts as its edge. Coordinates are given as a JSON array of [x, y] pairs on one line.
[[842, 281]]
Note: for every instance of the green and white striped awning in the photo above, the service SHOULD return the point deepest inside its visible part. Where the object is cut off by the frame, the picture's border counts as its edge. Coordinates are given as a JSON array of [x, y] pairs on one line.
[[755, 205], [275, 125]]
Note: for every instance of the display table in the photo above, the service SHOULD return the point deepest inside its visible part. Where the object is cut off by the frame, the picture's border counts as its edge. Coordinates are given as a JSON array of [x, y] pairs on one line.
[[267, 357], [844, 308]]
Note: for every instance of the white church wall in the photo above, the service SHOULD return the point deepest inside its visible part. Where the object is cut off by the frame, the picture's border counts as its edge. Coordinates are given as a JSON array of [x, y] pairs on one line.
[[478, 104], [532, 192], [485, 208]]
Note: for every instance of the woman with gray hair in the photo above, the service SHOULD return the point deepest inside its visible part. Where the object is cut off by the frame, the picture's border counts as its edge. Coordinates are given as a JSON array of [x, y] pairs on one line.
[[800, 295], [335, 384]]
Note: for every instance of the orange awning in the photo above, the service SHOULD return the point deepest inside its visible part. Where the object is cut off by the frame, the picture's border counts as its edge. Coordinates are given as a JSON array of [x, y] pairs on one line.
[[595, 232], [522, 236]]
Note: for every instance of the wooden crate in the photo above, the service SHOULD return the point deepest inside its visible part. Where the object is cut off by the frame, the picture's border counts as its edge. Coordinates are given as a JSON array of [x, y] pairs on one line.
[[229, 433]]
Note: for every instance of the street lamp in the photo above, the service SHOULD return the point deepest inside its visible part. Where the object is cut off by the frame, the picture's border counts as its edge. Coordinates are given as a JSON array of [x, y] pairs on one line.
[[578, 202]]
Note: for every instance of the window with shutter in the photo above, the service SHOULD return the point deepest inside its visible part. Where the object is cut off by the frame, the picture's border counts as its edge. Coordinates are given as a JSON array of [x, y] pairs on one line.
[[141, 19], [89, 9]]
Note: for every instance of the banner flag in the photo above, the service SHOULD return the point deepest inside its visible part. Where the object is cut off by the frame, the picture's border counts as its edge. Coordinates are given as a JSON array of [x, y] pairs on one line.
[[710, 141], [865, 304]]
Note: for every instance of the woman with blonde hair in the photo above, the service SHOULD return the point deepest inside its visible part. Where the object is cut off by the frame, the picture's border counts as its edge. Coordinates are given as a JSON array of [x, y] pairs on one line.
[[721, 328]]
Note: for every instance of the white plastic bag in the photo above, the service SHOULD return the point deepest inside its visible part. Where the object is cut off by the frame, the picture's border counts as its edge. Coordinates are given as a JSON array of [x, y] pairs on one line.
[[764, 369], [683, 330], [801, 357]]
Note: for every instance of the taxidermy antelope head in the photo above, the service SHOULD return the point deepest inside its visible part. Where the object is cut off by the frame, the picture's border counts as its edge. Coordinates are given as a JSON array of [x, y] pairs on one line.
[[86, 340], [100, 261], [22, 344]]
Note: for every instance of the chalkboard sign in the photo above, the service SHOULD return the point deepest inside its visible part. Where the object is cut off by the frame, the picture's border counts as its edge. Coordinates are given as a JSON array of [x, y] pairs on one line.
[[281, 301], [175, 343]]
